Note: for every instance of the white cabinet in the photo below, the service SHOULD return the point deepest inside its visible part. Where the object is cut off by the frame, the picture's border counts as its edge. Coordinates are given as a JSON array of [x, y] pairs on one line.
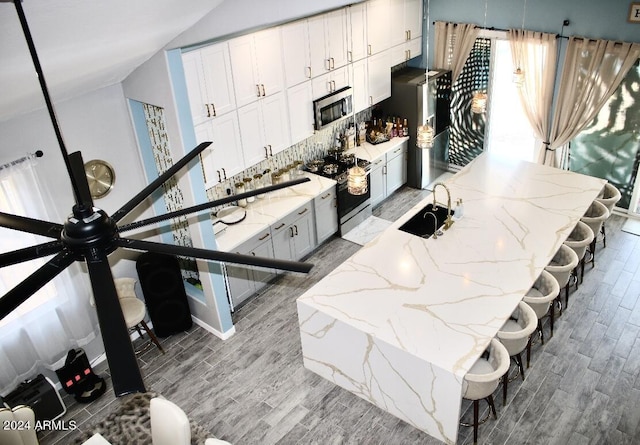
[[326, 211], [396, 170], [294, 235], [357, 32], [378, 26], [377, 184], [209, 82], [407, 20], [360, 85], [244, 281], [256, 61], [327, 41], [379, 75], [300, 101], [264, 128], [405, 51], [388, 173], [295, 52], [330, 82], [224, 157]]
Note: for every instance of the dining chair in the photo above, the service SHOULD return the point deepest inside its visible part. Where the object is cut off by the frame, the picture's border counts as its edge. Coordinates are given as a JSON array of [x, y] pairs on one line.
[[560, 266], [540, 298], [514, 335], [595, 217], [579, 239], [18, 415], [610, 197], [481, 381]]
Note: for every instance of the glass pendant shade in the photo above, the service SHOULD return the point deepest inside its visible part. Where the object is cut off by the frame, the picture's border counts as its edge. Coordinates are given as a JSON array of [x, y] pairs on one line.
[[518, 77], [479, 102], [425, 137], [357, 181]]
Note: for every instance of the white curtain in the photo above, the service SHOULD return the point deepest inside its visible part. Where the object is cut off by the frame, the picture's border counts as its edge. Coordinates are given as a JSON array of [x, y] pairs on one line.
[[592, 71], [535, 53], [454, 42], [39, 333]]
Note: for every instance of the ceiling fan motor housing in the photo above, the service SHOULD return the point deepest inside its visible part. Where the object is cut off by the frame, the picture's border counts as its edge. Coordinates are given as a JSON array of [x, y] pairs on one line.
[[83, 233]]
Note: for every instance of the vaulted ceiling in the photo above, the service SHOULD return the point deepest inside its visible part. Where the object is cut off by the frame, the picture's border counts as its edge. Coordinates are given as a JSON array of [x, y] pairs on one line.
[[84, 45]]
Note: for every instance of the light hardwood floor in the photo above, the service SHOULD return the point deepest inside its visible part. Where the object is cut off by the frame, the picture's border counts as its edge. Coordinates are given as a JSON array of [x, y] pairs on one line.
[[583, 385]]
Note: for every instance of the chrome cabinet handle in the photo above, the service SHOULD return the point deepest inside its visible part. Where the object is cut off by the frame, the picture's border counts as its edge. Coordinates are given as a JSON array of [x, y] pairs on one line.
[[407, 54], [332, 63], [370, 100], [208, 112], [309, 72], [369, 49], [325, 196], [327, 64], [409, 32], [214, 110], [333, 82], [264, 92], [350, 56], [258, 88]]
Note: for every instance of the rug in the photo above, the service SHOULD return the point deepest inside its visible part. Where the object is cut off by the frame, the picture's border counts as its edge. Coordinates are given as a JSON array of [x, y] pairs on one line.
[[366, 230], [130, 424], [631, 226]]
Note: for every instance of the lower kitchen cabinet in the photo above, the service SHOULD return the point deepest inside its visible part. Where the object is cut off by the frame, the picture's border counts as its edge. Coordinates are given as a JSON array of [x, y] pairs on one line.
[[244, 281], [326, 211], [388, 173], [294, 236]]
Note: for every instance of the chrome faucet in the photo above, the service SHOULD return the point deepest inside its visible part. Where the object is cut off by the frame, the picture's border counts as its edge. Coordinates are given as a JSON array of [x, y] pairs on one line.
[[449, 222], [435, 223]]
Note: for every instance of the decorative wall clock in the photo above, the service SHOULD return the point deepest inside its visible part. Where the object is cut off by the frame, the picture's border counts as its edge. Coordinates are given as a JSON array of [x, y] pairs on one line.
[[100, 176]]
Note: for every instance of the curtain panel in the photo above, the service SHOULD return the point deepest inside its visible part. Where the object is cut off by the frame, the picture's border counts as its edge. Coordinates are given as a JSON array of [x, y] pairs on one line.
[[535, 53], [592, 71], [454, 42], [39, 333]]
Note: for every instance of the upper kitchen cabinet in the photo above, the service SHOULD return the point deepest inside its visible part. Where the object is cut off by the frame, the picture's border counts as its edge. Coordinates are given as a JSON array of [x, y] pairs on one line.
[[328, 41], [405, 51], [264, 128], [360, 85], [379, 76], [378, 26], [224, 157], [295, 52], [300, 101], [209, 82], [407, 20], [256, 62], [356, 32], [330, 82]]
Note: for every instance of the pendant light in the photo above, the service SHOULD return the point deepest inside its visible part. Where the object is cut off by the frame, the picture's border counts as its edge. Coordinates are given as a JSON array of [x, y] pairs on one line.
[[424, 139], [357, 180], [518, 74], [479, 99]]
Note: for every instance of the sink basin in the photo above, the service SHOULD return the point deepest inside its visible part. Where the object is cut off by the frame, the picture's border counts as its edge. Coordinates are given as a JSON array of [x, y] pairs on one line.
[[423, 225]]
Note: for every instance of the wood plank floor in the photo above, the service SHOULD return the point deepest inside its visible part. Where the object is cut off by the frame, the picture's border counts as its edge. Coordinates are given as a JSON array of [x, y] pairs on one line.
[[583, 385]]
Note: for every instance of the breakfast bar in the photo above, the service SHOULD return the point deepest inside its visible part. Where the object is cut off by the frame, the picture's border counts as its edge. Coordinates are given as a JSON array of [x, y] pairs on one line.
[[402, 321]]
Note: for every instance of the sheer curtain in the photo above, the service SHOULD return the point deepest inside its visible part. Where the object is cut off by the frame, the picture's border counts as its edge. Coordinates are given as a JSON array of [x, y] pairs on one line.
[[454, 42], [535, 53], [38, 334], [592, 71]]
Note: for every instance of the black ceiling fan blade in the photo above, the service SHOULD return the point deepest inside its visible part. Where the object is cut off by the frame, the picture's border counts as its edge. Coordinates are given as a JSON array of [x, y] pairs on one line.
[[145, 192], [209, 205], [30, 285], [123, 365], [215, 255], [30, 225], [78, 172], [30, 253]]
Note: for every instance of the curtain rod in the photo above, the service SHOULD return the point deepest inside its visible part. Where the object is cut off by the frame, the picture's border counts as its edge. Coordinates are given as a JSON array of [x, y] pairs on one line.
[[37, 154], [558, 36]]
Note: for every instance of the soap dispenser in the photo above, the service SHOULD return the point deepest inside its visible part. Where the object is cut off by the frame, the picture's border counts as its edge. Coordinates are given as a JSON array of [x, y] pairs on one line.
[[458, 211]]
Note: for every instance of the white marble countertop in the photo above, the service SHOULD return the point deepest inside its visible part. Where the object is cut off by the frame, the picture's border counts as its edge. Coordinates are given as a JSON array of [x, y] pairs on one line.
[[371, 152], [272, 207], [401, 322]]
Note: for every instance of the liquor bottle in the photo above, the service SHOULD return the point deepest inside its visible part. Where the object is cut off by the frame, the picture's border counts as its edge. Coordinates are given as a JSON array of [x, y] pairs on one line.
[[405, 128]]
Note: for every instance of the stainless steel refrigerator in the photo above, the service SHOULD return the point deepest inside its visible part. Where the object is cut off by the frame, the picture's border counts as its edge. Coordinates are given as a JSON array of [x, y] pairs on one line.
[[421, 99]]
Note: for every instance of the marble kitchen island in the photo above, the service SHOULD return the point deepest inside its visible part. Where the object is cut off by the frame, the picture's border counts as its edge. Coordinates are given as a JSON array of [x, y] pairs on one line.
[[401, 322]]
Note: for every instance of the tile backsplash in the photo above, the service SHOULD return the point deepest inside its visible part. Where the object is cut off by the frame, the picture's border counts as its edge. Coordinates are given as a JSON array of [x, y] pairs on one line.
[[314, 147]]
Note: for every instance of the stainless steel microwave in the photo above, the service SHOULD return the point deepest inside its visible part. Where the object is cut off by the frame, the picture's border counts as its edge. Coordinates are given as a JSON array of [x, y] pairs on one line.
[[333, 107]]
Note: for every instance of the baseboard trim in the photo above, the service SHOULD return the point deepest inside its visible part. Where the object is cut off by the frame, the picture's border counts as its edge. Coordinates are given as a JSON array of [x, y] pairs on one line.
[[221, 335]]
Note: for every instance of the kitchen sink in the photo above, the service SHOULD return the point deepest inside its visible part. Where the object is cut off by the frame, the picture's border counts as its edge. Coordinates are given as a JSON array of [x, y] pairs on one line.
[[424, 225]]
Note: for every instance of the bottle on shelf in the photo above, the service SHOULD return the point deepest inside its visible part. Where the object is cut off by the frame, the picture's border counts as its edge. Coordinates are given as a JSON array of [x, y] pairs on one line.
[[405, 128]]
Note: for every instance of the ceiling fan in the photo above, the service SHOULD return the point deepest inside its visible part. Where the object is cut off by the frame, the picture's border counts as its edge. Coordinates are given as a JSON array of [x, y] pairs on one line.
[[90, 235]]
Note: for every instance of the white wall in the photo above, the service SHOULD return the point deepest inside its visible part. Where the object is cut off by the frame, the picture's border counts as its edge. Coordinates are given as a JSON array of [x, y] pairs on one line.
[[98, 125]]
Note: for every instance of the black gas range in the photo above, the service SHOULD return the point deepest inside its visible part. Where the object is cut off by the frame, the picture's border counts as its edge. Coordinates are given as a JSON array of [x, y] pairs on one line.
[[352, 209]]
